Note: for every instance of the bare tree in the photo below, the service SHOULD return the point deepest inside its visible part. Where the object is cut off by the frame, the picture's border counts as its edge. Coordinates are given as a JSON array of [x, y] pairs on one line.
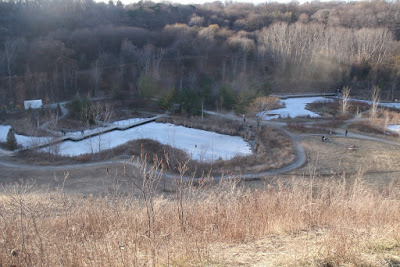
[[97, 72], [101, 115], [146, 177], [2, 57], [242, 47], [158, 55], [345, 99], [375, 98], [145, 55], [10, 49], [85, 115], [261, 105], [129, 53]]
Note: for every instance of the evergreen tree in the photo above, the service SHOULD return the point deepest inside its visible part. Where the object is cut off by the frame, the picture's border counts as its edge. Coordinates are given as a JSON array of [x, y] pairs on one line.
[[11, 140]]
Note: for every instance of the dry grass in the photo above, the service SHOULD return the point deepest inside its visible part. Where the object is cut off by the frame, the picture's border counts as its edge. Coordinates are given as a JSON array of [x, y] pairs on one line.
[[313, 129], [372, 126], [125, 151], [297, 222], [25, 122], [333, 108], [378, 125], [335, 123], [272, 150], [337, 157], [26, 126], [213, 124], [69, 125]]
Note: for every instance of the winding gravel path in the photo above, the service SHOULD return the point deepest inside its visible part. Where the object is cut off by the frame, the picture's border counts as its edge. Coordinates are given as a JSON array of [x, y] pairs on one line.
[[299, 161]]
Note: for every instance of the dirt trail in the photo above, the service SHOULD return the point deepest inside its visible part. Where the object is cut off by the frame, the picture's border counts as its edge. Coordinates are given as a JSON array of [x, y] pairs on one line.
[[299, 161]]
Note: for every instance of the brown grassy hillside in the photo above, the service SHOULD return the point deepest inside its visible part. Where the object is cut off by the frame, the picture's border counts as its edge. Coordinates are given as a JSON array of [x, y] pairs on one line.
[[285, 222]]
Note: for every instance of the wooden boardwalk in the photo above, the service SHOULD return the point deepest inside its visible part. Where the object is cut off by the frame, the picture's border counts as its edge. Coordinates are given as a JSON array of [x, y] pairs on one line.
[[99, 131], [285, 96]]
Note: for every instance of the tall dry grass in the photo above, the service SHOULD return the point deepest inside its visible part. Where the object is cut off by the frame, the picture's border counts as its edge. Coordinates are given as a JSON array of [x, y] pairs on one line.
[[378, 123], [213, 123], [42, 228]]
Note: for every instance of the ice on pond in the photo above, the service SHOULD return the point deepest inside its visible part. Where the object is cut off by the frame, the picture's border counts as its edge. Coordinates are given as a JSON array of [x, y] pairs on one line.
[[294, 107], [21, 139], [202, 145], [394, 128]]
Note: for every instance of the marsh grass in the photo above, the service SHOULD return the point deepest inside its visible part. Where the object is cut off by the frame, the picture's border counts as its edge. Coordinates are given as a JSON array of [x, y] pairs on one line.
[[334, 108], [378, 124], [212, 123], [313, 129]]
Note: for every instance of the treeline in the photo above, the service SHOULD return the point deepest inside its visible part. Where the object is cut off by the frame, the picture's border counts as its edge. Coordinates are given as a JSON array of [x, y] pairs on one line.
[[222, 54]]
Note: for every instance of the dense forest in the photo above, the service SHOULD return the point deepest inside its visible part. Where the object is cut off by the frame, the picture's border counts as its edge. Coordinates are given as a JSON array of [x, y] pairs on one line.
[[222, 53]]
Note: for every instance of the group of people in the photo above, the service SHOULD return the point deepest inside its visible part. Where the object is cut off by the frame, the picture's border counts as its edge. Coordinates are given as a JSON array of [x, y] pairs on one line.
[[324, 139], [63, 132]]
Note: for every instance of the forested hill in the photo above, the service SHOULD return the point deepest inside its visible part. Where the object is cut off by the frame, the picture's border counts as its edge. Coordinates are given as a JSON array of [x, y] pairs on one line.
[[56, 49]]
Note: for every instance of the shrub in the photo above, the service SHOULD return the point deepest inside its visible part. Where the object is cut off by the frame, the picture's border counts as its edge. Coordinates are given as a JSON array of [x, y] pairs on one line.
[[80, 110], [188, 100], [167, 99], [243, 100], [116, 92], [11, 140], [227, 97], [78, 105], [147, 86]]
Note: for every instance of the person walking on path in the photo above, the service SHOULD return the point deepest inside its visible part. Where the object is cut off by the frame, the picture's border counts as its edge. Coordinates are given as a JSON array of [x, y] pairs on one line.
[[345, 133]]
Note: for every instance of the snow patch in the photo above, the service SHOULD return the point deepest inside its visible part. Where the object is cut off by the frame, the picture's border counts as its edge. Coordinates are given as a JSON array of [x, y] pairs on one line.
[[202, 145], [294, 107], [394, 128], [23, 140]]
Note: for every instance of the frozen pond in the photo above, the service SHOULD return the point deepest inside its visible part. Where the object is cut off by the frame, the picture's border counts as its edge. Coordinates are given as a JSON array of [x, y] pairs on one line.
[[394, 128], [294, 107], [21, 139], [202, 145]]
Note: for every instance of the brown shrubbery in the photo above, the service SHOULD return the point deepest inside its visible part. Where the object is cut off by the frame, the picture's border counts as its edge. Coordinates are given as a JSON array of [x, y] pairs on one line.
[[313, 129], [214, 124], [378, 124], [342, 222], [333, 108]]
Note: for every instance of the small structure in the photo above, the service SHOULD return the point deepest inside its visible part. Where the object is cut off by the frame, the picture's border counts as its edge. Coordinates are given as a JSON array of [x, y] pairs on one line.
[[352, 148], [33, 104]]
